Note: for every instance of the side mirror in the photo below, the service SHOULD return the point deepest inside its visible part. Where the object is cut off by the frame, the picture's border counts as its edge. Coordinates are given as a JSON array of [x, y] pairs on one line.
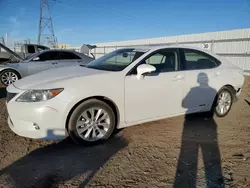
[[144, 68], [36, 59]]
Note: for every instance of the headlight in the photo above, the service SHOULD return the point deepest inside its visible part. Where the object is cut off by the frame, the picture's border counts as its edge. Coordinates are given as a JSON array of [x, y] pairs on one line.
[[38, 95]]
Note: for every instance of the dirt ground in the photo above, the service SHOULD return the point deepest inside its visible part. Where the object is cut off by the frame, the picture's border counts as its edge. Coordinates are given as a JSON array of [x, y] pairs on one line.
[[192, 151]]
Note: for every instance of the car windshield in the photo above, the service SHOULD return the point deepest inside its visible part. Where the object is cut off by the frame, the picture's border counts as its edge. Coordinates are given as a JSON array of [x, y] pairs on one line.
[[116, 60]]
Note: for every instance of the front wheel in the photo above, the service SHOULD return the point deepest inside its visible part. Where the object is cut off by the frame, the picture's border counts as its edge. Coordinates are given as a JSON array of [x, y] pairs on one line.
[[91, 122], [8, 77], [223, 102]]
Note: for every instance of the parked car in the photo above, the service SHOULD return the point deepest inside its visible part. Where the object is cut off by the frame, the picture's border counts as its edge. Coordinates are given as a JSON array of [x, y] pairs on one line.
[[123, 88], [24, 51], [40, 61]]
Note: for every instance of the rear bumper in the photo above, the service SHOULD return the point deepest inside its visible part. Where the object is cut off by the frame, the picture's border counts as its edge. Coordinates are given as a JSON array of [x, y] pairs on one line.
[[237, 94]]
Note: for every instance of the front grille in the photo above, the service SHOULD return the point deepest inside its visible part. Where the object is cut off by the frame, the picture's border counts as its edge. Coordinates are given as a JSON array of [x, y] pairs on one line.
[[10, 96]]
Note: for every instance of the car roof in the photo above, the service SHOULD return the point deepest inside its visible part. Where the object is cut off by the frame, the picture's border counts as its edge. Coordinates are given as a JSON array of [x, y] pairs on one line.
[[59, 50], [81, 55], [158, 47]]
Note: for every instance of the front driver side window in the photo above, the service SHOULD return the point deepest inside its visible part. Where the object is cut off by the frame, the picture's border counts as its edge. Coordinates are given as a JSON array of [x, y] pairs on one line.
[[47, 56], [164, 61]]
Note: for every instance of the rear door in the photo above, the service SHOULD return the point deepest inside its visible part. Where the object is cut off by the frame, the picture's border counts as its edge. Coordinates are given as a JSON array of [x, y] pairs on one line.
[[67, 59], [45, 60], [201, 76]]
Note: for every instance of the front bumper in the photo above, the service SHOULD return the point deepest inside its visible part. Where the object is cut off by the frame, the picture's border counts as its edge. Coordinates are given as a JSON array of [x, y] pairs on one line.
[[38, 120], [32, 130]]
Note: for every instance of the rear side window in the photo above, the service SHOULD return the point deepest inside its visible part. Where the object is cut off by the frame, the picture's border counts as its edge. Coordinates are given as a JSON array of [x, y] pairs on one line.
[[195, 59], [66, 55]]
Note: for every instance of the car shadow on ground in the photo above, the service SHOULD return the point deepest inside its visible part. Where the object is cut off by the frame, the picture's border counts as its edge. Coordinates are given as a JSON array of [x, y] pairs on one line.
[[3, 92], [56, 163], [199, 132]]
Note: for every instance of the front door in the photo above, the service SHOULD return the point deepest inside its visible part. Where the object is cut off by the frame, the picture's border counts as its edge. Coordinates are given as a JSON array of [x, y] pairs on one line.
[[44, 61], [157, 94]]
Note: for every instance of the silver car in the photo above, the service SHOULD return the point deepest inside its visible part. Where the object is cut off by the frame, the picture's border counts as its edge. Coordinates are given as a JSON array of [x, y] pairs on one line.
[[38, 62]]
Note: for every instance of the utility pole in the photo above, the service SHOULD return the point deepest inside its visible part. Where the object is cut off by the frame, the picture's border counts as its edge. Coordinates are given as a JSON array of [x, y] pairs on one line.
[[45, 30]]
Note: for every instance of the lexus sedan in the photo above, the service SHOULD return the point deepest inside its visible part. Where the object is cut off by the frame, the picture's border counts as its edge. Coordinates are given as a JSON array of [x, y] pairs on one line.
[[125, 87], [40, 61]]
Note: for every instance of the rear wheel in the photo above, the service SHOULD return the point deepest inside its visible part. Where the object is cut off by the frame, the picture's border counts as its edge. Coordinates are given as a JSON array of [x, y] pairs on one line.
[[91, 122], [9, 77], [223, 102]]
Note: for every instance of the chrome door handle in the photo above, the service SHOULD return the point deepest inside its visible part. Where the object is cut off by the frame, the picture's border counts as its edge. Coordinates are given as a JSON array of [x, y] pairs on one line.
[[54, 63]]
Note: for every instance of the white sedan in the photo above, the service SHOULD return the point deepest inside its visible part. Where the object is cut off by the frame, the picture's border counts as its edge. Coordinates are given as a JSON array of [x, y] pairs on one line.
[[123, 88]]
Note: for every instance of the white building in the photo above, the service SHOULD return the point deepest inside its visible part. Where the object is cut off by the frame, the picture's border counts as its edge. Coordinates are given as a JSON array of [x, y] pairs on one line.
[[233, 44]]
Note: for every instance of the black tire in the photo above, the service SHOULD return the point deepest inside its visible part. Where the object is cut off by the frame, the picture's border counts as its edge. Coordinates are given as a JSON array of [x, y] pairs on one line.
[[214, 109], [92, 103], [3, 73]]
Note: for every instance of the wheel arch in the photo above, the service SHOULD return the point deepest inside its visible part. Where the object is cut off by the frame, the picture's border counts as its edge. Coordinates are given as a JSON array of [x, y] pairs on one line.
[[230, 87], [222, 87], [107, 100], [12, 69], [233, 93]]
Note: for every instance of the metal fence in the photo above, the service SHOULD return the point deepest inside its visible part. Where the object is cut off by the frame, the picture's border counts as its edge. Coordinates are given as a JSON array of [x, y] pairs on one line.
[[236, 50]]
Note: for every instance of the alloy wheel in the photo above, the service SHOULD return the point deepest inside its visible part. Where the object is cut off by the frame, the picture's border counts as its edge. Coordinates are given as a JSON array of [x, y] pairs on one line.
[[93, 124], [9, 77], [224, 102]]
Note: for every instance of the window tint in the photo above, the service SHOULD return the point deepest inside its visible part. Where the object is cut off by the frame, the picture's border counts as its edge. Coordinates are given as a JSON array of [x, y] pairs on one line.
[[199, 60], [46, 56], [164, 61], [40, 48], [31, 49], [66, 55]]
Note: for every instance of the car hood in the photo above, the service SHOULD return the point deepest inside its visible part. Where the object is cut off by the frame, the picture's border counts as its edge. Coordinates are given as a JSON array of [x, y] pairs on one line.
[[53, 75], [11, 52]]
